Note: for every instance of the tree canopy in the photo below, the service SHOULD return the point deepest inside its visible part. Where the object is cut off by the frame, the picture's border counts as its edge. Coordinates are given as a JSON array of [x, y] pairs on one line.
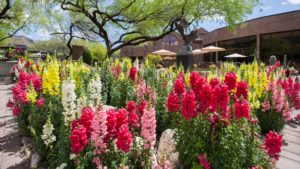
[[120, 23]]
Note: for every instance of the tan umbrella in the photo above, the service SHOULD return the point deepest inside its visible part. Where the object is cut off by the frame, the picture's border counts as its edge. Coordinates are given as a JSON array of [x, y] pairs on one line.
[[168, 58], [213, 49], [199, 52], [164, 52]]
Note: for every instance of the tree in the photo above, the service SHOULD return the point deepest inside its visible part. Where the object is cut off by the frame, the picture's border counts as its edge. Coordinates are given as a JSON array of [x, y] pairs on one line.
[[121, 23]]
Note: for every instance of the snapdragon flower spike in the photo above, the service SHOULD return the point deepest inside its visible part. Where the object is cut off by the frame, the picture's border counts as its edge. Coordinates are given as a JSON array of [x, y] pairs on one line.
[[194, 76], [141, 108], [86, 119], [214, 82], [179, 84], [295, 95], [122, 118], [132, 73], [204, 98], [124, 138], [188, 105], [242, 90], [203, 161], [132, 117], [241, 109], [78, 139], [173, 102], [111, 125], [230, 80], [99, 131], [148, 128], [273, 143]]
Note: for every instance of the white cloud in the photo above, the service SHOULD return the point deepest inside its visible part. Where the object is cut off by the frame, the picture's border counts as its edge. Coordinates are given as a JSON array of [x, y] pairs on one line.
[[290, 2], [264, 8]]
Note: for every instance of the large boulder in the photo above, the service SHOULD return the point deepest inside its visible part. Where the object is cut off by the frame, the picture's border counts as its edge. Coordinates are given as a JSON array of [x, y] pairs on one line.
[[167, 149]]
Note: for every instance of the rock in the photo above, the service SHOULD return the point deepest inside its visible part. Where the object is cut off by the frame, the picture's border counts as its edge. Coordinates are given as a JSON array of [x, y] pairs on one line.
[[35, 159], [167, 149]]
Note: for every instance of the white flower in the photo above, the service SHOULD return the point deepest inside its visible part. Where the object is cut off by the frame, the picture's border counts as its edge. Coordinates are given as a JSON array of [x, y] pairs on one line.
[[48, 135], [72, 156], [62, 166], [95, 88], [81, 103], [68, 100], [20, 64]]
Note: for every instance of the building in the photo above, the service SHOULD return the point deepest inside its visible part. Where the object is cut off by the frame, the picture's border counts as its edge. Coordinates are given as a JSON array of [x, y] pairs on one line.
[[262, 37], [277, 35]]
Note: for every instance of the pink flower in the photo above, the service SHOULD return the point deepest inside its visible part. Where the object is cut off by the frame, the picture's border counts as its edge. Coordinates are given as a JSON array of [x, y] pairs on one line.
[[40, 102], [278, 99], [148, 128], [297, 117], [265, 106], [99, 131], [203, 161], [124, 138]]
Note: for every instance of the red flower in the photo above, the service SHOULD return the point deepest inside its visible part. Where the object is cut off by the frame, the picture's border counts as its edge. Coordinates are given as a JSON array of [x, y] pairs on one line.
[[121, 116], [278, 64], [188, 105], [214, 82], [141, 108], [111, 124], [10, 104], [204, 98], [193, 79], [19, 94], [179, 84], [27, 64], [295, 95], [16, 110], [242, 89], [230, 80], [241, 109], [132, 73], [36, 81], [130, 106], [40, 102], [78, 139], [86, 119], [297, 117], [173, 102], [124, 138], [133, 119], [203, 161], [273, 143]]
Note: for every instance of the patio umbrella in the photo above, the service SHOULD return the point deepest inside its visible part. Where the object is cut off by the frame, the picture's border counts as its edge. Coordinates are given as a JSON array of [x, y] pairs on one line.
[[213, 49], [199, 52], [169, 58], [164, 52], [235, 55]]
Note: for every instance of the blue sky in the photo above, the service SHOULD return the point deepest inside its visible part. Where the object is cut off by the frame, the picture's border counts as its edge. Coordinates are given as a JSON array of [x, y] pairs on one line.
[[265, 8]]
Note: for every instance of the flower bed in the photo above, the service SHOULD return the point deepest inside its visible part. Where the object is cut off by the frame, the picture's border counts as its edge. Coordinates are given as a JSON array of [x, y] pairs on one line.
[[60, 106]]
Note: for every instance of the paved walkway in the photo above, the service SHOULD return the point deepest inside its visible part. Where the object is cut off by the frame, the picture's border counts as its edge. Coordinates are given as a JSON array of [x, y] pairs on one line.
[[290, 154], [12, 154]]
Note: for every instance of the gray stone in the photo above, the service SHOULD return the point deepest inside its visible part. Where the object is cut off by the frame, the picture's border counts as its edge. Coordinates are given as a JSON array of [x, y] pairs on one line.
[[167, 149], [35, 159]]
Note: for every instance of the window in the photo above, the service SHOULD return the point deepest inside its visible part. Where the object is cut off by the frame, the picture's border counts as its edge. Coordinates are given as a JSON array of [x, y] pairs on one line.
[[169, 40]]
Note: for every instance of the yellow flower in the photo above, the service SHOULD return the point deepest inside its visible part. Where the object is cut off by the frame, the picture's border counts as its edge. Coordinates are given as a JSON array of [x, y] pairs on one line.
[[122, 76], [31, 95], [51, 79]]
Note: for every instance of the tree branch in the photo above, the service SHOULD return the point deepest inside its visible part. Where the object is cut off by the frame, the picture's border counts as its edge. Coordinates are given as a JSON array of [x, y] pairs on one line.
[[12, 34], [3, 13]]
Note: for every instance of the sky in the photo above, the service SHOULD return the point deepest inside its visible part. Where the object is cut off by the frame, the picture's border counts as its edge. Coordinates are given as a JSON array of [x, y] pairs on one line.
[[265, 8]]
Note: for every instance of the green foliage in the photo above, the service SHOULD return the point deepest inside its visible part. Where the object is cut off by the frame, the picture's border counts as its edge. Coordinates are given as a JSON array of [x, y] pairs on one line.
[[153, 59], [270, 120], [121, 92], [53, 45]]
